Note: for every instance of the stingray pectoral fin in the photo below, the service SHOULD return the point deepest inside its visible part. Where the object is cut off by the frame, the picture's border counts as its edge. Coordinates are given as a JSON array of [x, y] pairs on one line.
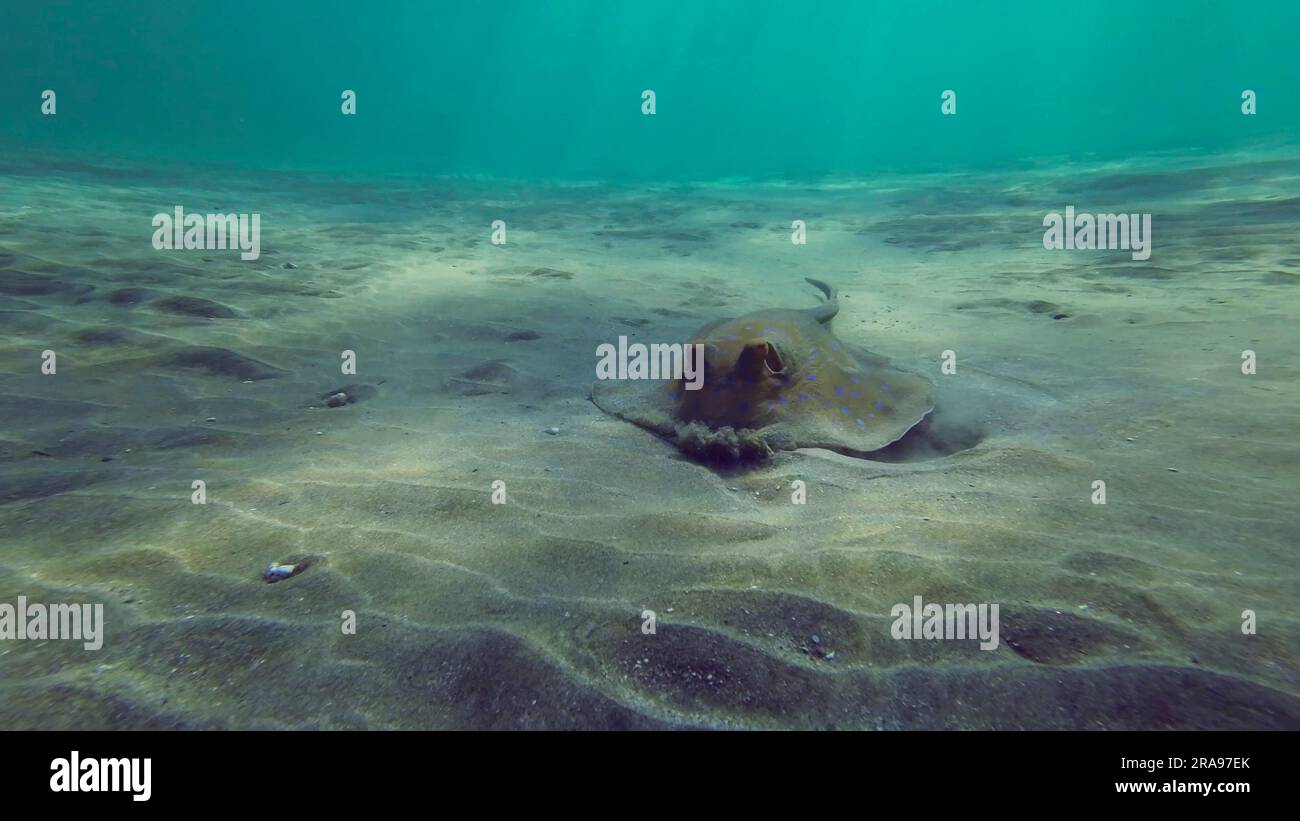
[[876, 410], [646, 403], [912, 400]]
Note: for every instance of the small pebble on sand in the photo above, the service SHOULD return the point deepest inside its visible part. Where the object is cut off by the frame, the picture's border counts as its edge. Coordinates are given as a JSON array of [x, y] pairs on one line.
[[551, 431], [278, 572]]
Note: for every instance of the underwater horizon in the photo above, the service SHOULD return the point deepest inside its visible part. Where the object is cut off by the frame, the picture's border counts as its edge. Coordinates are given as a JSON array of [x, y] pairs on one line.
[[553, 92], [649, 365]]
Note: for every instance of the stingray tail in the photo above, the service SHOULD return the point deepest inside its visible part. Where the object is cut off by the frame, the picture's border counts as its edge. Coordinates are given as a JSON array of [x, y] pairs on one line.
[[826, 311]]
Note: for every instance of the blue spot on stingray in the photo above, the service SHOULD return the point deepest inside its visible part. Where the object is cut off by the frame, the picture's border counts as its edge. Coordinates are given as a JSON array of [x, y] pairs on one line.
[[839, 390], [859, 421], [803, 397], [853, 378], [856, 394], [872, 415], [812, 377], [880, 406], [844, 411], [673, 395], [783, 401]]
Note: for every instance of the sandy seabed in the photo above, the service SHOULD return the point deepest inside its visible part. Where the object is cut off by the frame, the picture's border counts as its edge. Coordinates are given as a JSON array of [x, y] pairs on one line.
[[1072, 367]]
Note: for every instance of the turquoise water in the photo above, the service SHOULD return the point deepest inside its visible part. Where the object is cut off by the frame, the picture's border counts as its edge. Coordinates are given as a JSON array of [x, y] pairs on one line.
[[752, 88], [398, 395]]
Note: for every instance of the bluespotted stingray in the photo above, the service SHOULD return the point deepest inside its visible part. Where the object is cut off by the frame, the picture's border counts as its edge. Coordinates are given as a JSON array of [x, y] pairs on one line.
[[776, 380]]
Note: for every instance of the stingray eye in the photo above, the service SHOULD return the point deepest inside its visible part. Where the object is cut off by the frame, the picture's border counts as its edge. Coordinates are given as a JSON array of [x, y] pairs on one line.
[[773, 359], [759, 359]]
